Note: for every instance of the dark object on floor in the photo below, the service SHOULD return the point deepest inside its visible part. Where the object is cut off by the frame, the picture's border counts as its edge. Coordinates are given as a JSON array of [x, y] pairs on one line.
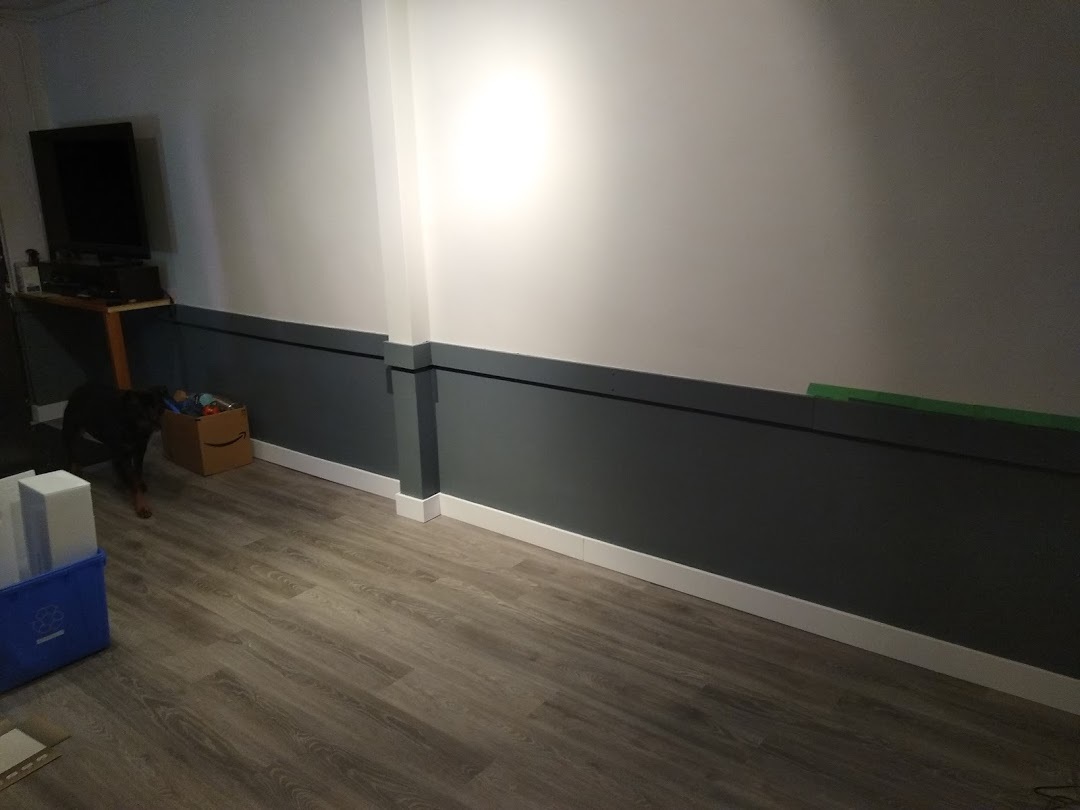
[[121, 420]]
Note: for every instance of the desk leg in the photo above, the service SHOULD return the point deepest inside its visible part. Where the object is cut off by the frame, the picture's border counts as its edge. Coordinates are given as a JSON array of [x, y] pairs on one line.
[[114, 332]]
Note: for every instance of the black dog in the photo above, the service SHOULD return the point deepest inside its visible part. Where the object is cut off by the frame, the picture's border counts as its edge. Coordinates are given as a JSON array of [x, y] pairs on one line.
[[121, 420]]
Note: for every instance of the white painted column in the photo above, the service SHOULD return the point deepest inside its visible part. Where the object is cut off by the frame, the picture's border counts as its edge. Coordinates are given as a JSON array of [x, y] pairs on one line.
[[393, 130], [401, 238]]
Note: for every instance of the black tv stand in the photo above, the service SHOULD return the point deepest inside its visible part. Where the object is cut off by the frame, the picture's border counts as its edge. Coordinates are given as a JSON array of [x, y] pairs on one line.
[[116, 283], [96, 260], [115, 263]]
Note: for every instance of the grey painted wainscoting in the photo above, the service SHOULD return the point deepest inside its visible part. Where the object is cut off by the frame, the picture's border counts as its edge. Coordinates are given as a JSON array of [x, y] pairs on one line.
[[62, 347], [823, 503], [964, 530]]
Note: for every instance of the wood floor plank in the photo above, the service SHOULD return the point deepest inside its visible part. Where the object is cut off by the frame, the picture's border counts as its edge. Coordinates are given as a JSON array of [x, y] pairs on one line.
[[341, 769], [106, 752], [282, 641], [601, 759], [231, 759], [993, 763], [322, 694], [425, 648], [305, 634]]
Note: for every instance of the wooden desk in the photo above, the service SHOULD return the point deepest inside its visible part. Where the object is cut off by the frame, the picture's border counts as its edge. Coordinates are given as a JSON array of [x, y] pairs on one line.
[[114, 329]]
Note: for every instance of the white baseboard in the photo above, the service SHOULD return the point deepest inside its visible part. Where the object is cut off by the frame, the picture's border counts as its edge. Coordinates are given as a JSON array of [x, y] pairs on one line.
[[328, 470], [47, 413], [520, 528], [977, 667], [416, 509]]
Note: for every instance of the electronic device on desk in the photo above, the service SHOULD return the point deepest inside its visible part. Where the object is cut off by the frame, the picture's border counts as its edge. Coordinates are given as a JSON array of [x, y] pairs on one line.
[[116, 284], [95, 221]]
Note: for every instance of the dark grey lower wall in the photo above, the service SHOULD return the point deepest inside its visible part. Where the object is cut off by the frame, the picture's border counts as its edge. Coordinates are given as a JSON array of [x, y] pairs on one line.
[[311, 389], [963, 530], [63, 348], [981, 553], [317, 390]]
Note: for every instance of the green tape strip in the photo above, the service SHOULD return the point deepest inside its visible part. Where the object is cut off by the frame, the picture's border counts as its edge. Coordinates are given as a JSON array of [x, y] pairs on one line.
[[1031, 418]]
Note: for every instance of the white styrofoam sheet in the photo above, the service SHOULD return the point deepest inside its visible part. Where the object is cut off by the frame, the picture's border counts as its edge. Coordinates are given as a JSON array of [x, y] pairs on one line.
[[14, 563], [58, 520]]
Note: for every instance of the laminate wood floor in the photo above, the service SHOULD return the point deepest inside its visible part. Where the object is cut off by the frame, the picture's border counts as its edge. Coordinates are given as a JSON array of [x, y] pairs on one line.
[[280, 641]]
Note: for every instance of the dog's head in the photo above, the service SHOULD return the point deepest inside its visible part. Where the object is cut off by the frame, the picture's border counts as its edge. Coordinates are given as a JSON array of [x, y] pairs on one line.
[[145, 406]]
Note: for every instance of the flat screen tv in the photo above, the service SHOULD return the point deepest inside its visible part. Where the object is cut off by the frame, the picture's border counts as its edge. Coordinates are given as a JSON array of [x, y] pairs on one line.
[[91, 195]]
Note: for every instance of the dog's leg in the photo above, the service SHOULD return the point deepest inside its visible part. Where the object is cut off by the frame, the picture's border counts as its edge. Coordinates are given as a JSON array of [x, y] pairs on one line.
[[138, 500], [70, 434], [137, 460], [125, 468]]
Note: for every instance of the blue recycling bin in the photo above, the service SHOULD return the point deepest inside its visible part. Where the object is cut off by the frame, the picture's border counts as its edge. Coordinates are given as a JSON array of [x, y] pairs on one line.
[[52, 619]]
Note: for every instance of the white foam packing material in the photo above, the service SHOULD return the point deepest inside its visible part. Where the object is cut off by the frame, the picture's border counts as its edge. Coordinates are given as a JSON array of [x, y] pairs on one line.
[[58, 520], [14, 560]]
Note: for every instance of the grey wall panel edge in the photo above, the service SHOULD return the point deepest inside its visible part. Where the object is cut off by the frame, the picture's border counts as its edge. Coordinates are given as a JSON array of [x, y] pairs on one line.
[[328, 404], [369, 344], [758, 404], [1044, 448], [1023, 445]]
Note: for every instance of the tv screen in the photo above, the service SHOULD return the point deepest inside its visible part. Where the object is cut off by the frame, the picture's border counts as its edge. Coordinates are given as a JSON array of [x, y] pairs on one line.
[[91, 196]]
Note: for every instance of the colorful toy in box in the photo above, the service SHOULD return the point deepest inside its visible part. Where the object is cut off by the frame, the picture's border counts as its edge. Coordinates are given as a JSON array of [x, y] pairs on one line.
[[199, 404]]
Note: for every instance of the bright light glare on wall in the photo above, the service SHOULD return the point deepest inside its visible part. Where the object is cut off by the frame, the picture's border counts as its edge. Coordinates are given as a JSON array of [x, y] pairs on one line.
[[502, 141]]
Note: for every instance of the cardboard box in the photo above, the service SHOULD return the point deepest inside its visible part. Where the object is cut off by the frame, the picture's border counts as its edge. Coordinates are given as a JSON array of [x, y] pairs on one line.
[[207, 444], [27, 746]]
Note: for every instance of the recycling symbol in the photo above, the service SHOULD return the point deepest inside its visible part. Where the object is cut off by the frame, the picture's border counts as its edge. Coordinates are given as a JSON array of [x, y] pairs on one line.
[[48, 619]]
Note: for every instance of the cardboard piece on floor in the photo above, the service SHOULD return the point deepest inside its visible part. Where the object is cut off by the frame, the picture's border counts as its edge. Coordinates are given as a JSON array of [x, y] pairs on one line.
[[27, 746]]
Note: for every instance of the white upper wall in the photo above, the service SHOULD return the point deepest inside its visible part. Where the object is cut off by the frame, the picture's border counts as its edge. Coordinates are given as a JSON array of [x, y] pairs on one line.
[[876, 194], [264, 202], [22, 108]]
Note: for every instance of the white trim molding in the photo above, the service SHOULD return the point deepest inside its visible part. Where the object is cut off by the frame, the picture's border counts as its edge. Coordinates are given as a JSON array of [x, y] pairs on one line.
[[1002, 674], [520, 528], [416, 509], [48, 412], [328, 470]]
